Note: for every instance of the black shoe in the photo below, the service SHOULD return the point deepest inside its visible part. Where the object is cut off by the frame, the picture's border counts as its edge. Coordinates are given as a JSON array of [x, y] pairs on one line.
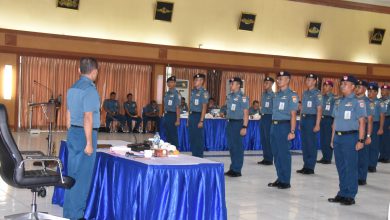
[[308, 171], [372, 169], [235, 174], [284, 186], [386, 161], [336, 199], [362, 182], [320, 161], [135, 131], [301, 170], [381, 160], [347, 201], [274, 184], [231, 173], [228, 173], [326, 162], [265, 162]]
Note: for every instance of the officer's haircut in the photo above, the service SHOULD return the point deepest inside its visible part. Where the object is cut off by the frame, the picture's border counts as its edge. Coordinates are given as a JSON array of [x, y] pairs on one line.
[[112, 93], [254, 102], [87, 65], [182, 98], [129, 94]]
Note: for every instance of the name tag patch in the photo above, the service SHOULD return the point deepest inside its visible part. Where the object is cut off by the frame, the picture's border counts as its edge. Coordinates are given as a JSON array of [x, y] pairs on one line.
[[309, 104], [347, 115], [196, 101], [233, 108], [281, 106]]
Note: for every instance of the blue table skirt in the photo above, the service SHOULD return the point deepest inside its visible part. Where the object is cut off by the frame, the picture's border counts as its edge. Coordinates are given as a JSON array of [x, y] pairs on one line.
[[215, 137], [126, 189]]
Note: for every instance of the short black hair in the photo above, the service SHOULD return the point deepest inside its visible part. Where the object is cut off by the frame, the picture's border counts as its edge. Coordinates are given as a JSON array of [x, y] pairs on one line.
[[153, 102], [112, 93], [255, 101], [87, 65], [211, 99], [182, 98], [129, 94]]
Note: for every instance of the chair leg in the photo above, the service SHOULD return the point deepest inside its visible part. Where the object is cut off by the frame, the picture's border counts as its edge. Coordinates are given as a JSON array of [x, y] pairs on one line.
[[33, 215]]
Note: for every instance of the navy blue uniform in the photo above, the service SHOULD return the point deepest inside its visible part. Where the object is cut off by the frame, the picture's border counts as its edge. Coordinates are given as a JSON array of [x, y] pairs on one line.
[[81, 97], [131, 107], [236, 103], [113, 107], [265, 124], [283, 104], [363, 154], [196, 135], [373, 148], [312, 99], [385, 138], [347, 112], [156, 118], [172, 101], [326, 126]]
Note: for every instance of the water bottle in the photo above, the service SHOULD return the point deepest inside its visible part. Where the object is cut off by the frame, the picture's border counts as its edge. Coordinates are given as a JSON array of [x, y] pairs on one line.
[[156, 139]]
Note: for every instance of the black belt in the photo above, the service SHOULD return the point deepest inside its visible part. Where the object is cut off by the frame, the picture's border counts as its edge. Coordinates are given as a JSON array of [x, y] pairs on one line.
[[308, 115], [170, 112], [327, 116], [195, 112], [234, 120], [276, 122], [387, 117], [339, 133], [76, 126], [266, 114]]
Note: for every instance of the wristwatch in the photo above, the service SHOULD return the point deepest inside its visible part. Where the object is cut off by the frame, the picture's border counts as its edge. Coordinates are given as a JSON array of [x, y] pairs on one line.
[[244, 126], [292, 131], [361, 141]]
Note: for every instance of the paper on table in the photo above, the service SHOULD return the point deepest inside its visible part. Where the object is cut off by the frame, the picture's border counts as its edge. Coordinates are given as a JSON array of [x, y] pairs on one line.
[[120, 150]]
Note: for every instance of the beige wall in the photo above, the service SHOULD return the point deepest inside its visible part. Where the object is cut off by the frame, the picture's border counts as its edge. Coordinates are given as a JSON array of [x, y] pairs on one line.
[[279, 30], [9, 59]]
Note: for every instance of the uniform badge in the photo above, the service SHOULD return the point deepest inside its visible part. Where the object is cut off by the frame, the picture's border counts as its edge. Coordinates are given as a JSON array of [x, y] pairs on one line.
[[372, 105], [284, 97], [206, 95], [348, 104], [294, 98], [319, 96], [382, 105], [361, 104]]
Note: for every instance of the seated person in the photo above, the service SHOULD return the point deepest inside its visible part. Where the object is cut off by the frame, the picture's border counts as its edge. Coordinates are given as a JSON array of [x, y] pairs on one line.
[[255, 108], [211, 105], [222, 112], [183, 105], [131, 114], [151, 113], [111, 106]]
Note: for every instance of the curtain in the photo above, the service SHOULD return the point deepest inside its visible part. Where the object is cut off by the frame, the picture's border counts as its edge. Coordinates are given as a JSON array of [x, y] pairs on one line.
[[57, 75], [297, 84], [253, 84], [214, 84]]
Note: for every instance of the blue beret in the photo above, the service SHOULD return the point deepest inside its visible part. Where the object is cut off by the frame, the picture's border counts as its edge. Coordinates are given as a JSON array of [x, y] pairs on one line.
[[172, 78], [283, 73], [349, 78], [312, 76], [373, 86], [269, 79], [362, 83], [200, 75], [236, 79]]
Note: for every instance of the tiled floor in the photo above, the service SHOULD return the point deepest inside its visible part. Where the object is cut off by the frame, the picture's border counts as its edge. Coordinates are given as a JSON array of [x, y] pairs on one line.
[[247, 197]]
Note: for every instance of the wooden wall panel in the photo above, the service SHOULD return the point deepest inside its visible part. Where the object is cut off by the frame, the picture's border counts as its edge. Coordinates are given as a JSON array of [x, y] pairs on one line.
[[323, 67]]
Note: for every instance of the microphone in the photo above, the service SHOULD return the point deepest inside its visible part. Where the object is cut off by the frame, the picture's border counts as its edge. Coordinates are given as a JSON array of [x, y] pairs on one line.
[[51, 91]]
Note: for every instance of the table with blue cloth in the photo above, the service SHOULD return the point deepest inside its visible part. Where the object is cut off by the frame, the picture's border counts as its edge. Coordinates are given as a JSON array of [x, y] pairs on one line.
[[215, 136], [182, 187]]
